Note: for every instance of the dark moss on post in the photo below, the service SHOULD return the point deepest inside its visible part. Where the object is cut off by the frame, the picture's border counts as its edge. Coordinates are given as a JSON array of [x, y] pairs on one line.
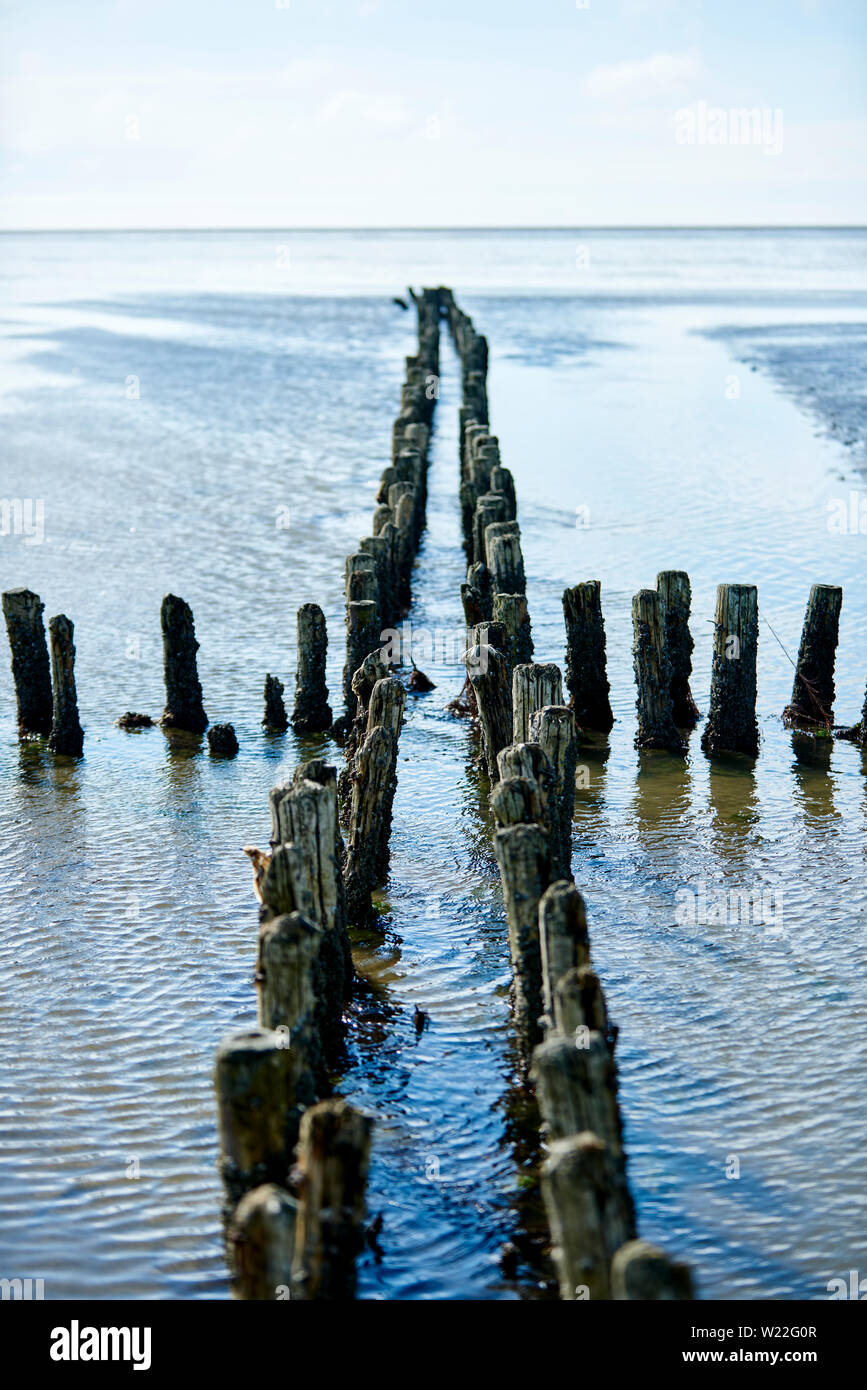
[[674, 589], [731, 722], [67, 735], [275, 710], [184, 708], [812, 704], [312, 713], [586, 677], [31, 672]]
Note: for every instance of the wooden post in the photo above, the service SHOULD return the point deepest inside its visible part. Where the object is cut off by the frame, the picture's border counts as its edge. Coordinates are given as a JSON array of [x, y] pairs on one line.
[[490, 507], [22, 610], [184, 709], [534, 685], [511, 610], [304, 820], [488, 670], [812, 703], [641, 1271], [504, 558], [731, 722], [586, 676], [261, 1240], [67, 735], [275, 720], [263, 1087], [374, 779], [529, 762], [579, 1003], [312, 713], [563, 939], [524, 861], [222, 741], [362, 638], [553, 728], [286, 983], [517, 801], [333, 1157], [656, 727], [674, 590], [587, 1226], [477, 595]]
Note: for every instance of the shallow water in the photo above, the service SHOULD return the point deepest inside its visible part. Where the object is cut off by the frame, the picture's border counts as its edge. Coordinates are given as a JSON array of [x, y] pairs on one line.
[[126, 918]]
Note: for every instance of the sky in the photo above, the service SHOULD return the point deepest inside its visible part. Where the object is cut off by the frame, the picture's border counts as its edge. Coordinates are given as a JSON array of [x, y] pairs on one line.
[[459, 113]]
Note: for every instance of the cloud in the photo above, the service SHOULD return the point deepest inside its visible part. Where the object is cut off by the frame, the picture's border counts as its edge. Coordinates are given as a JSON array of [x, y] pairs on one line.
[[665, 74]]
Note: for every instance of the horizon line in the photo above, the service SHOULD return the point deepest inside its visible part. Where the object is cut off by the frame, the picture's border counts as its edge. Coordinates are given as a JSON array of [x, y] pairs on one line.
[[494, 227]]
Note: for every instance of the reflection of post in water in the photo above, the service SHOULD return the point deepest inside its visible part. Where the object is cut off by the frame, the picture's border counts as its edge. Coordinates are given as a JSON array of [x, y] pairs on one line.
[[590, 782], [183, 769], [662, 791], [814, 787], [733, 803]]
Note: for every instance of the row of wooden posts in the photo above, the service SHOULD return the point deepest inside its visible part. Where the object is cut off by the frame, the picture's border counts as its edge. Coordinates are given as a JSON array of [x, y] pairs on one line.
[[293, 1157], [530, 741]]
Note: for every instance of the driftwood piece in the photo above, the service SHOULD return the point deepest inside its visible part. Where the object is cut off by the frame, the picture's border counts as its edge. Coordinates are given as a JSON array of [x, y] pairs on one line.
[[656, 727], [524, 860], [333, 1157], [263, 1087], [312, 712], [640, 1271], [674, 589], [184, 709], [731, 722], [67, 735], [586, 677], [31, 672], [553, 728], [812, 704], [261, 1244], [534, 685]]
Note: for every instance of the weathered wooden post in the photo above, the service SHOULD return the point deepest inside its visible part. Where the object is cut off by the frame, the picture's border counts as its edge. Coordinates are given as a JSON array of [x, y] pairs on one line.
[[374, 777], [306, 832], [511, 610], [587, 1226], [504, 558], [488, 670], [31, 673], [731, 722], [534, 684], [222, 740], [656, 727], [312, 713], [263, 1086], [362, 637], [333, 1158], [641, 1271], [674, 589], [813, 690], [586, 677], [184, 709], [286, 982], [67, 735], [553, 728], [527, 762], [261, 1240], [563, 940], [275, 720], [524, 860]]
